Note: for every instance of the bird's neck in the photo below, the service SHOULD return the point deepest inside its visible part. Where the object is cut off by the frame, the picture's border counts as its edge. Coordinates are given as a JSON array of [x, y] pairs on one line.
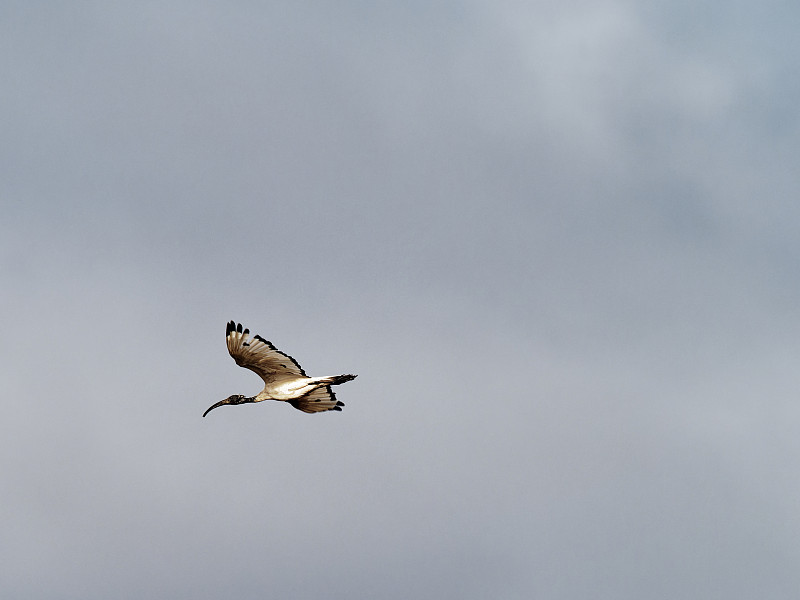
[[244, 400]]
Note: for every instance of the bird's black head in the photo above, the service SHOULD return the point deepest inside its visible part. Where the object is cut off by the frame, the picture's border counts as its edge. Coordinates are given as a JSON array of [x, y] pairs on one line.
[[235, 399]]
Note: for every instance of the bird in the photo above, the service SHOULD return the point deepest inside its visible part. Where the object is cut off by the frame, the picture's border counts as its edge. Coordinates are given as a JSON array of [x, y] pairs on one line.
[[284, 378]]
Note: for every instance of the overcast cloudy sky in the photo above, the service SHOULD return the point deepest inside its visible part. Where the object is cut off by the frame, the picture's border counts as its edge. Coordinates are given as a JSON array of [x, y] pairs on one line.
[[559, 242]]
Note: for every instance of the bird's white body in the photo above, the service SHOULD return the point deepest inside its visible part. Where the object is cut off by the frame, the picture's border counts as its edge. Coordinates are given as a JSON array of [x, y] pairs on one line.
[[292, 389], [284, 379]]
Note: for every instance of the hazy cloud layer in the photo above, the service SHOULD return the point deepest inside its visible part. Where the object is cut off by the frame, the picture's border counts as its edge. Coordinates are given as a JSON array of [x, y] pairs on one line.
[[557, 242]]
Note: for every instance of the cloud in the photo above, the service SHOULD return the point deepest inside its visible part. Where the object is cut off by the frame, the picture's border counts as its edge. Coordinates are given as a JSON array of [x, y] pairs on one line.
[[555, 242]]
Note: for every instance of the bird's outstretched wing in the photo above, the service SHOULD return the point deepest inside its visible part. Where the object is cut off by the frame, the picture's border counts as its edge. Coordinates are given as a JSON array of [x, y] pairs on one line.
[[318, 400], [260, 356]]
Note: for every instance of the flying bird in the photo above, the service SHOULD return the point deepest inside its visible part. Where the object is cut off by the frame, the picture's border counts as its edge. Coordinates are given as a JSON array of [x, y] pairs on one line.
[[284, 379]]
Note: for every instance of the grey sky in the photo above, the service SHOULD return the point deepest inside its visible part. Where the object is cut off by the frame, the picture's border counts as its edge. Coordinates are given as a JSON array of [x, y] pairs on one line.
[[558, 242]]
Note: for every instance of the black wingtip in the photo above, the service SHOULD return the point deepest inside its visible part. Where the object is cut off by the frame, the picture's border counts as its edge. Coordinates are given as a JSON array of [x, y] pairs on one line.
[[231, 326], [239, 327]]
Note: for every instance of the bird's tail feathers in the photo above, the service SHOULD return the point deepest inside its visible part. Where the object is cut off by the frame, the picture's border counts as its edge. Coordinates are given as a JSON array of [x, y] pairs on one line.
[[337, 379]]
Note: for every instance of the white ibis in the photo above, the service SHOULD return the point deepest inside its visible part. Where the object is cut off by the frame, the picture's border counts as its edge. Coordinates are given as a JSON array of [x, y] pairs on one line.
[[284, 379]]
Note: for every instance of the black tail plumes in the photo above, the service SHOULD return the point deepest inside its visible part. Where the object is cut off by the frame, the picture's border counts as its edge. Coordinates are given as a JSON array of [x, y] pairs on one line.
[[342, 379]]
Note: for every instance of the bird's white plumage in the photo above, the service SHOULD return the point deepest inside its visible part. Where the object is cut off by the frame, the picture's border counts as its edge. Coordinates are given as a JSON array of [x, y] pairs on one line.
[[284, 378]]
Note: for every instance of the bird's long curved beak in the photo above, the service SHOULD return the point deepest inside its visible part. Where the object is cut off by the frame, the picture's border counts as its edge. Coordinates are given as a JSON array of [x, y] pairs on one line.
[[220, 403]]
